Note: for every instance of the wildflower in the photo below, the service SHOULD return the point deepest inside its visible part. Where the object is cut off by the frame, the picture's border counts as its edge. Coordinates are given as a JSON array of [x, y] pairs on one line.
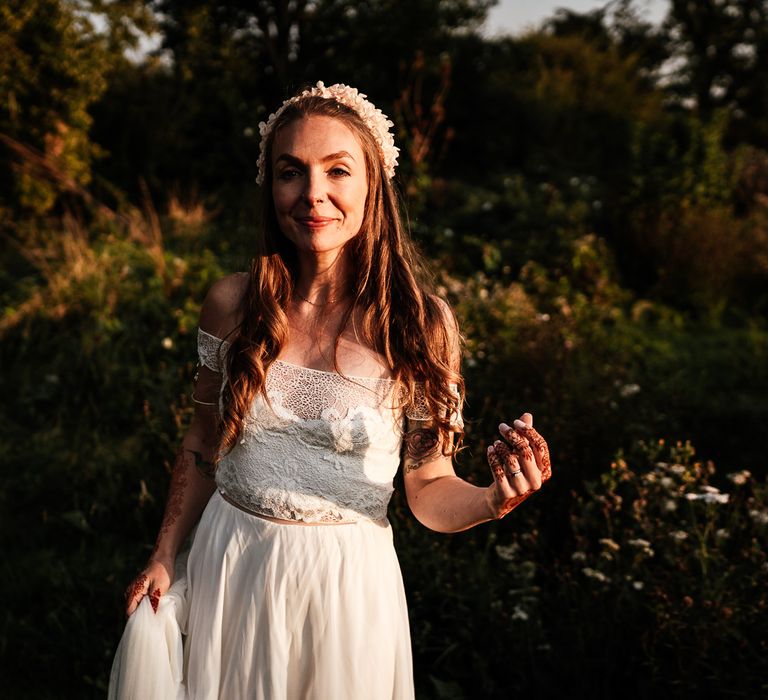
[[760, 517], [677, 469], [679, 535], [721, 534], [708, 497], [608, 542], [597, 575], [579, 556], [507, 552], [661, 465], [706, 488], [638, 585], [519, 614], [739, 478], [629, 390], [670, 506], [667, 482], [167, 343], [650, 477], [643, 545]]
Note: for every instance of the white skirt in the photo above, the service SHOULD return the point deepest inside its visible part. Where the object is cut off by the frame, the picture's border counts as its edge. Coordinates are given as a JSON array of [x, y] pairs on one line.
[[273, 611]]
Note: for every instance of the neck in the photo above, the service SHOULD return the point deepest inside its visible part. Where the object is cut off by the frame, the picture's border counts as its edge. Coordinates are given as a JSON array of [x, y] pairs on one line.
[[323, 277]]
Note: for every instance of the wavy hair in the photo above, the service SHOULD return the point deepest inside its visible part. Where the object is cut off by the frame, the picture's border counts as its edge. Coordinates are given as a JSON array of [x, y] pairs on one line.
[[403, 319]]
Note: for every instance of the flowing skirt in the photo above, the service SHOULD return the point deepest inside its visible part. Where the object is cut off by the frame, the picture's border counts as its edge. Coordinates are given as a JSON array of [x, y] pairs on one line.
[[274, 611]]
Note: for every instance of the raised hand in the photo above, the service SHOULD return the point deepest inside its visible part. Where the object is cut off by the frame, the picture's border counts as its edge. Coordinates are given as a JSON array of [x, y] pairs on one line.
[[519, 463]]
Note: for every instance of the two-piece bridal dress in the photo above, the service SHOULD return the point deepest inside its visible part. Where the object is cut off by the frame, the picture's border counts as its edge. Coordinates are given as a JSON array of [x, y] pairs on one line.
[[262, 610]]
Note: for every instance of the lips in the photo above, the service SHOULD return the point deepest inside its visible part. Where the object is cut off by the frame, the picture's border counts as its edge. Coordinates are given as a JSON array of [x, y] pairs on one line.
[[315, 221]]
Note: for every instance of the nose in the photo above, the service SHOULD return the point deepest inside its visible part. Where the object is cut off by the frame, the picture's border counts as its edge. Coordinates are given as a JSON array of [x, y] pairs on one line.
[[313, 192]]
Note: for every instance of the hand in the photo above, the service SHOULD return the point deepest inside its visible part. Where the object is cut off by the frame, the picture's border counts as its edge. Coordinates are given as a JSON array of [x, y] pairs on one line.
[[154, 581], [520, 465]]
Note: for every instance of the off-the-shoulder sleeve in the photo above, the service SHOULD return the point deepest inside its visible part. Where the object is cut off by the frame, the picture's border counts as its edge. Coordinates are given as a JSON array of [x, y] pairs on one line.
[[420, 408], [211, 350]]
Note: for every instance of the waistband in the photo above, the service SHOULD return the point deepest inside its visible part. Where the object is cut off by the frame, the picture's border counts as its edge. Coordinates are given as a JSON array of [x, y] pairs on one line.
[[282, 521]]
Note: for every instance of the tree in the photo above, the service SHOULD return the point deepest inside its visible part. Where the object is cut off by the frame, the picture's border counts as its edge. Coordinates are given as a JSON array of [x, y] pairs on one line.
[[53, 66], [720, 50]]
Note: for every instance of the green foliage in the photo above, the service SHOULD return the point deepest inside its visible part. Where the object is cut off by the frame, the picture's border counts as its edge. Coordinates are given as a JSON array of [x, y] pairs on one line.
[[654, 580], [602, 236]]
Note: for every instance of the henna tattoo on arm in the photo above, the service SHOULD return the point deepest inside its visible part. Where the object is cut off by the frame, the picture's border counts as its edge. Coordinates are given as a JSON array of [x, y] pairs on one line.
[[176, 492]]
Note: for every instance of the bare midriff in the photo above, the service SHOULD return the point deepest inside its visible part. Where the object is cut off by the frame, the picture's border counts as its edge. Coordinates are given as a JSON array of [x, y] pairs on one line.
[[283, 521]]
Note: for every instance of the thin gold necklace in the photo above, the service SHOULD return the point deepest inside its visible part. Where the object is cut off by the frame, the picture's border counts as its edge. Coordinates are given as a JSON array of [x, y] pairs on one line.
[[314, 303]]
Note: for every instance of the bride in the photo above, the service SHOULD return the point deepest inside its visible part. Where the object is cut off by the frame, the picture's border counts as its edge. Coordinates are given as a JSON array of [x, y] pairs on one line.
[[323, 369]]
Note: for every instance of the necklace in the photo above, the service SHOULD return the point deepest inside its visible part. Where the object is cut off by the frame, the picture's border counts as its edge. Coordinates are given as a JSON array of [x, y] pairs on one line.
[[314, 303]]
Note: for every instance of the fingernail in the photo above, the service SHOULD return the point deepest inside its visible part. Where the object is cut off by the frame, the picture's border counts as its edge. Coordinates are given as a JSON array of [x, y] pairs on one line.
[[519, 424], [490, 449], [504, 427], [497, 443]]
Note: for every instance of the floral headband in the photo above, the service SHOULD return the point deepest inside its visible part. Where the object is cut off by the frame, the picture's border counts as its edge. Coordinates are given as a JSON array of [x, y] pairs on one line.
[[373, 118]]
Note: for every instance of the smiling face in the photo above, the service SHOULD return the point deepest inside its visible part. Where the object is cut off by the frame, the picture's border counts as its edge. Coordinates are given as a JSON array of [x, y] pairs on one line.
[[319, 183]]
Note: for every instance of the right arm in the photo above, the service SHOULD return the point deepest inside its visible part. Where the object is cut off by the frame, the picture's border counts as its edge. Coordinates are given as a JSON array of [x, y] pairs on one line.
[[192, 482]]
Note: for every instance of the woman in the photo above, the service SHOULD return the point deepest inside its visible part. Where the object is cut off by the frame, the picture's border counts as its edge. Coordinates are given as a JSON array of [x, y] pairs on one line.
[[317, 368]]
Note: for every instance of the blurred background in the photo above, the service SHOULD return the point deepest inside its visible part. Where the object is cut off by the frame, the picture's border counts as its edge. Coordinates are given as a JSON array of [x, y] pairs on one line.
[[590, 183]]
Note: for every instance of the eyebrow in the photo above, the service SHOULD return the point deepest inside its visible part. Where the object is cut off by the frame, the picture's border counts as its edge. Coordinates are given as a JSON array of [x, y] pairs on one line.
[[332, 156]]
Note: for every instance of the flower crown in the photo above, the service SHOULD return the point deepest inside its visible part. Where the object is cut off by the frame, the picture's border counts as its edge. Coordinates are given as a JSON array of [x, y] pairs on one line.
[[373, 118]]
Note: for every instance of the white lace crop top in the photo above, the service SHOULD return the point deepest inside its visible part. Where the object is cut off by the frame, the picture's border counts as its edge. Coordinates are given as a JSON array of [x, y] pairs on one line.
[[326, 450]]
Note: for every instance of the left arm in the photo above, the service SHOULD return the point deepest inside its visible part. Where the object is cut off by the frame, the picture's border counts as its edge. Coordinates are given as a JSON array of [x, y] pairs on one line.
[[444, 502], [438, 498]]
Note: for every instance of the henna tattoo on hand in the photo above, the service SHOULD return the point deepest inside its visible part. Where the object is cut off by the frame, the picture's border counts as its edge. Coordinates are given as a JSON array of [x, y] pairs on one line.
[[496, 466], [136, 585], [541, 446], [520, 445], [512, 503], [154, 599]]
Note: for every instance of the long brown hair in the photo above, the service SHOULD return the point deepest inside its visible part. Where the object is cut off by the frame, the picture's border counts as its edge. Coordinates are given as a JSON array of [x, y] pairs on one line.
[[403, 320]]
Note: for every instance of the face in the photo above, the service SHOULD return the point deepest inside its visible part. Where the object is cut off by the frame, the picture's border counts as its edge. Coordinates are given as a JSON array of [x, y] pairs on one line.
[[319, 183]]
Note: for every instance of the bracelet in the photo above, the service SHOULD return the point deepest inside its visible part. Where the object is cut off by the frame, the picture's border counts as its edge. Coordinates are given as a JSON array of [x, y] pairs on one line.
[[202, 403]]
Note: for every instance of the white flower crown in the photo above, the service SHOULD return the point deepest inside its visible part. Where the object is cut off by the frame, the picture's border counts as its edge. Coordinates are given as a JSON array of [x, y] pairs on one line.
[[374, 119]]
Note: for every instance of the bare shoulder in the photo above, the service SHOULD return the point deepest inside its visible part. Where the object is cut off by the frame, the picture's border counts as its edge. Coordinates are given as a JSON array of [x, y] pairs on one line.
[[220, 312]]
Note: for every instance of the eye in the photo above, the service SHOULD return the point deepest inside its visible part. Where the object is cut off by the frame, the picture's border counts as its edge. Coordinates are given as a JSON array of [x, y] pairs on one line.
[[288, 174], [339, 172]]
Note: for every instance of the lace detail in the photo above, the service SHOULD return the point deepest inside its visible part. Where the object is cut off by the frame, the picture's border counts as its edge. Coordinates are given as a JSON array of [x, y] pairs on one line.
[[211, 350], [319, 447]]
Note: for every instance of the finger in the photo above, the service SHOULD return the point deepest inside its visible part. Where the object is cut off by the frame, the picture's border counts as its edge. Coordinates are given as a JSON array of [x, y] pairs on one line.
[[505, 488], [527, 418], [540, 448], [516, 476], [135, 592], [522, 449], [518, 442], [497, 468], [154, 599]]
